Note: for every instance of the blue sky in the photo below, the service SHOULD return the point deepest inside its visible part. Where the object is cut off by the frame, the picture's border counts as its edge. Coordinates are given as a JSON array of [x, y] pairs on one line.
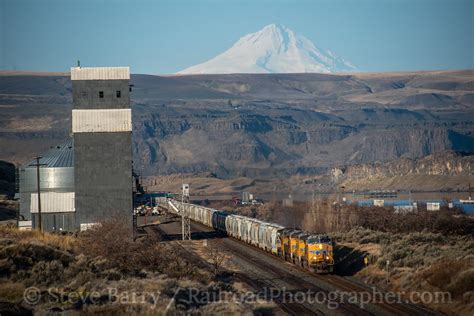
[[161, 37]]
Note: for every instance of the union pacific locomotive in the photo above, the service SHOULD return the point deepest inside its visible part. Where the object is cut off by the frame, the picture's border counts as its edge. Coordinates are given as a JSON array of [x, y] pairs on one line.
[[313, 252]]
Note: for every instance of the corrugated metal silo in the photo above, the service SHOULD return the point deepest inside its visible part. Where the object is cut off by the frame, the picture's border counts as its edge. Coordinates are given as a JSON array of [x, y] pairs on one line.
[[57, 189]]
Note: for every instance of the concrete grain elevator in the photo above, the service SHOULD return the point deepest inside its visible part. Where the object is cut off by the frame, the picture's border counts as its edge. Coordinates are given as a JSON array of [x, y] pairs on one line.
[[102, 134]]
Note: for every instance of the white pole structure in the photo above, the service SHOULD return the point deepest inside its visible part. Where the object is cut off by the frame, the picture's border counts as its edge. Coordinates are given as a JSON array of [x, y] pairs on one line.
[[185, 221]]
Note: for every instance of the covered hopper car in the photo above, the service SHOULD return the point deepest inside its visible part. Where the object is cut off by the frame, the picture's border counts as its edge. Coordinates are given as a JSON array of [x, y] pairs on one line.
[[310, 251]]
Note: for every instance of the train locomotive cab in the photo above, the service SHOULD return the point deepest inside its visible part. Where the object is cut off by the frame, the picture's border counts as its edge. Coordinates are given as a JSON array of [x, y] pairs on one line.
[[320, 255]]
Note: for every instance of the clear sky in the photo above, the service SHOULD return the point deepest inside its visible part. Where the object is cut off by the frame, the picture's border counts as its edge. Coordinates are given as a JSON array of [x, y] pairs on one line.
[[160, 37]]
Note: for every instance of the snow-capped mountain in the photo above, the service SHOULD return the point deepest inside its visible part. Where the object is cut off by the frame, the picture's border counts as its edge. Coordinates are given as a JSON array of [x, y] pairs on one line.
[[273, 49]]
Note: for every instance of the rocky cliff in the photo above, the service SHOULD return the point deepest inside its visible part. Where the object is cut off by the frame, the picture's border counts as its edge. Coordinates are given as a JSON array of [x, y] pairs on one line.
[[258, 125], [445, 170], [440, 164]]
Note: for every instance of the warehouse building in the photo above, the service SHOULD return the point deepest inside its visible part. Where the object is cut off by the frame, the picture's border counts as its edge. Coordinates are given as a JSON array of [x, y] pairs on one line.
[[89, 178]]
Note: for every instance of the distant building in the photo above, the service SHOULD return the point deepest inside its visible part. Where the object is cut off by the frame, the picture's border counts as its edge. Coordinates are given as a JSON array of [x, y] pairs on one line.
[[404, 209], [89, 178], [433, 206], [379, 202]]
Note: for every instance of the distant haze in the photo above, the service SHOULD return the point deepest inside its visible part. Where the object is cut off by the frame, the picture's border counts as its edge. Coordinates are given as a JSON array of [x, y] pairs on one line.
[[273, 49]]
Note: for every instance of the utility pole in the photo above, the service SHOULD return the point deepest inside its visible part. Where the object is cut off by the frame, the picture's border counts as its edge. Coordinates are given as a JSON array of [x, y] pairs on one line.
[[37, 165], [470, 197], [185, 221], [17, 190]]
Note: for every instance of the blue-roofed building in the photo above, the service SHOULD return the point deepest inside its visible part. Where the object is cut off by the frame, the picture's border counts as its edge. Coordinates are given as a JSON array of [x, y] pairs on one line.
[[466, 205], [404, 206], [57, 190]]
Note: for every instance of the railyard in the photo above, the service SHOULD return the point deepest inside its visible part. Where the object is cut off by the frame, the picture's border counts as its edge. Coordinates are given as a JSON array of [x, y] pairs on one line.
[[295, 290]]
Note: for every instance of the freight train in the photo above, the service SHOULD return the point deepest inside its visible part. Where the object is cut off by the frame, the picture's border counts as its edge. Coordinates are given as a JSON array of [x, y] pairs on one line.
[[313, 252]]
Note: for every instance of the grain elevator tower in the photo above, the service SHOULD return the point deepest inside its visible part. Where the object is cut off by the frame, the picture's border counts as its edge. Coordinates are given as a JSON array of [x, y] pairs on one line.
[[102, 133]]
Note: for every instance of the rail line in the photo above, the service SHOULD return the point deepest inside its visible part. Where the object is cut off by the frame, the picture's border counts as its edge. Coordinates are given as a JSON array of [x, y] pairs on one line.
[[349, 286], [297, 282], [403, 308], [258, 284], [303, 282], [346, 285]]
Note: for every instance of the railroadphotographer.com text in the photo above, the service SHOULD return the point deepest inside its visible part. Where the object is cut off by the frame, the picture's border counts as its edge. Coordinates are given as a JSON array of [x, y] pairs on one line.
[[309, 297]]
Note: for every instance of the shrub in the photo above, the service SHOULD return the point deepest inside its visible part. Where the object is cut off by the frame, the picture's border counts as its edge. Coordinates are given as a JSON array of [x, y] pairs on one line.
[[63, 242], [462, 283], [414, 261], [47, 272], [374, 237], [10, 291], [417, 237], [112, 241], [443, 272]]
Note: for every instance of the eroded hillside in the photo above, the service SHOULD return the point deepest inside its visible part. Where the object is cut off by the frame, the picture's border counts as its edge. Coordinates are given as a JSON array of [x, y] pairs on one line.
[[258, 125]]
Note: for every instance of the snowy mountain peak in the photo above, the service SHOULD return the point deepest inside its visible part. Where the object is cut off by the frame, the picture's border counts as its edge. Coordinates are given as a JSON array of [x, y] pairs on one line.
[[273, 49]]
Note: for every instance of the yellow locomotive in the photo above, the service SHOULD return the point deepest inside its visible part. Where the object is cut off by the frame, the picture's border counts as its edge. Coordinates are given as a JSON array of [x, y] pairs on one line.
[[311, 251]]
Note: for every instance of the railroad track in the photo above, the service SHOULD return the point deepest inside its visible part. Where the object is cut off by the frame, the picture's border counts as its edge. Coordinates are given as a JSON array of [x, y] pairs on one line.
[[399, 308], [258, 284], [341, 283], [302, 280], [289, 308], [239, 249]]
